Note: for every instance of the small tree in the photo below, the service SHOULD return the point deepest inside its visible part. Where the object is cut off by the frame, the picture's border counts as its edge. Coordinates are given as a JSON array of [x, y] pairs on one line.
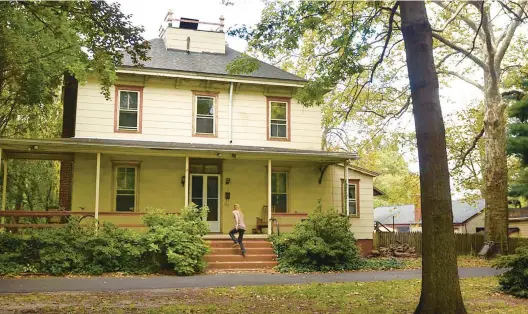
[[517, 144]]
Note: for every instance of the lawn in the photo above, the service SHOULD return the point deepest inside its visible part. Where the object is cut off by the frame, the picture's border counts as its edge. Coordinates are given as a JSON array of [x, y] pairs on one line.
[[480, 295]]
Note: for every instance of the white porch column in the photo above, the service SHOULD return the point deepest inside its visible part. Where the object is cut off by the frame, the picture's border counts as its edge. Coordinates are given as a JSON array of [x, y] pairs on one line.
[[345, 187], [186, 181], [97, 181], [269, 196]]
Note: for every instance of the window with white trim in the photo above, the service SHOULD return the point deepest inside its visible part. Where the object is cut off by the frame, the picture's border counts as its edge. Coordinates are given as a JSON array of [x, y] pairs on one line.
[[126, 188], [205, 115], [279, 192], [278, 120], [128, 115], [352, 199]]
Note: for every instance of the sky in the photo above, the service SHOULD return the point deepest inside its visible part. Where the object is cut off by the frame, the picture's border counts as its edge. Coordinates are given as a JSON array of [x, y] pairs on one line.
[[150, 15]]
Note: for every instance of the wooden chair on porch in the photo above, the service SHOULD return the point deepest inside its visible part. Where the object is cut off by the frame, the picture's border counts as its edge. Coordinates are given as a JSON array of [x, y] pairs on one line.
[[262, 221]]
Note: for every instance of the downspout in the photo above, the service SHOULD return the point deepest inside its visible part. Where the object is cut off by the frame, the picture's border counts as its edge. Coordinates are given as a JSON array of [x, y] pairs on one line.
[[230, 105]]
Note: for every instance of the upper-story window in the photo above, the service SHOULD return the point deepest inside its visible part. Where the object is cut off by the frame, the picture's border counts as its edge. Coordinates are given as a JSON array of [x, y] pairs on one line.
[[279, 119], [128, 109], [353, 198], [205, 115]]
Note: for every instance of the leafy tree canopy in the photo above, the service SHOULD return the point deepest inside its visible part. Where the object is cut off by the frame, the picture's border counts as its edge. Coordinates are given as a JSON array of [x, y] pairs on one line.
[[41, 40], [517, 144]]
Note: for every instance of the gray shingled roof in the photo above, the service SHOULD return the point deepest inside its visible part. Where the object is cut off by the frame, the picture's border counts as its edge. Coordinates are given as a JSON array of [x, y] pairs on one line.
[[203, 62], [404, 214]]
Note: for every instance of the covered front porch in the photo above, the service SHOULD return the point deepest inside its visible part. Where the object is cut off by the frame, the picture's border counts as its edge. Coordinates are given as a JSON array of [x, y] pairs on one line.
[[119, 180]]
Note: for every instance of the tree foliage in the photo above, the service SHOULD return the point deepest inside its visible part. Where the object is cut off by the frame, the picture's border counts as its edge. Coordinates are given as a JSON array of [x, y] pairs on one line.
[[41, 40], [517, 144]]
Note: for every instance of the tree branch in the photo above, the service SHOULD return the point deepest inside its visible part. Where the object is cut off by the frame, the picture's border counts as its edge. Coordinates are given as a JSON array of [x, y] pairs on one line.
[[387, 39], [507, 36], [463, 78], [464, 18], [460, 50], [452, 18], [517, 94], [469, 150]]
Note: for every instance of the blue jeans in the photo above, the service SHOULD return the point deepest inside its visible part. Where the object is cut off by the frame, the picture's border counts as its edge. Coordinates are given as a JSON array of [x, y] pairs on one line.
[[240, 238]]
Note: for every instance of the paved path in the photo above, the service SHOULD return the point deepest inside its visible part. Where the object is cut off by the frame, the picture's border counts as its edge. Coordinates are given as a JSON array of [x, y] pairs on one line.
[[100, 284]]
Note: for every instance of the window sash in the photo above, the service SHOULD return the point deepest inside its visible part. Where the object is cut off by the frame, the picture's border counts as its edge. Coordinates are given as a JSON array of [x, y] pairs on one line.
[[125, 189], [278, 123], [279, 191], [128, 110], [205, 117], [352, 199]]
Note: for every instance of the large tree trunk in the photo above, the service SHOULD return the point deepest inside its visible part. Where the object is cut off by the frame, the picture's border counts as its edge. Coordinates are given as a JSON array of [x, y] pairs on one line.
[[496, 168], [440, 285]]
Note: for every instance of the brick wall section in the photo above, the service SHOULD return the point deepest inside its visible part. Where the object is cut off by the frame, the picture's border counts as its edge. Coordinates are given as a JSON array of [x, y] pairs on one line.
[[69, 101], [65, 184]]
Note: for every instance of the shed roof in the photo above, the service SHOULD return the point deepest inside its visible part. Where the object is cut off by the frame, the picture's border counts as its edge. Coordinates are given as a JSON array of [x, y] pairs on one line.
[[162, 58], [404, 214]]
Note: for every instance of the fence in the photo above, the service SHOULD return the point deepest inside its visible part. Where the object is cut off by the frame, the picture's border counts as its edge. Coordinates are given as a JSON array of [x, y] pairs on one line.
[[465, 244]]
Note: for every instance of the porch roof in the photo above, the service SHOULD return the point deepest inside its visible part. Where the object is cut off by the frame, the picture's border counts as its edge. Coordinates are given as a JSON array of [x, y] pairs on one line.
[[25, 147]]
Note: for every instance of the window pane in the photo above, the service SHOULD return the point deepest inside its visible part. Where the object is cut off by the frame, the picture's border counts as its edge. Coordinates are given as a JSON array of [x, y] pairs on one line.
[[278, 182], [279, 202], [278, 110], [281, 131], [121, 178], [205, 125], [130, 178], [352, 208], [128, 120], [205, 105], [212, 187], [197, 187], [281, 182], [128, 100], [274, 130], [212, 215], [125, 203], [352, 192]]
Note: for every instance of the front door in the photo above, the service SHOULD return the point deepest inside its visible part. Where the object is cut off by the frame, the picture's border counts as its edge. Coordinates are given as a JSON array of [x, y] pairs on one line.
[[205, 190]]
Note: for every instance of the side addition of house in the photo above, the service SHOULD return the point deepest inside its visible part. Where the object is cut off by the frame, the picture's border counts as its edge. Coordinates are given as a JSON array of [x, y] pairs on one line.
[[181, 130]]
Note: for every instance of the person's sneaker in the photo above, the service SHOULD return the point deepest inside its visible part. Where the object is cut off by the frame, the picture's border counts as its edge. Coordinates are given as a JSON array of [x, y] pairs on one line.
[[244, 253], [235, 244]]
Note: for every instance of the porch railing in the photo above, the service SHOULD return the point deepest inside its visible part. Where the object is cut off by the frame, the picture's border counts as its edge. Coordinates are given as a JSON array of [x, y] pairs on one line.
[[50, 214]]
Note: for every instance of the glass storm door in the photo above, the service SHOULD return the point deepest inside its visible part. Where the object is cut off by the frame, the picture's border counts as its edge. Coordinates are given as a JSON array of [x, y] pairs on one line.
[[205, 190]]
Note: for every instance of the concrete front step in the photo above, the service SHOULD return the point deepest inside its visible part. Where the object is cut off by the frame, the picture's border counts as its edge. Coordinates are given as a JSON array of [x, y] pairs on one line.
[[247, 244], [242, 265], [236, 251], [239, 258]]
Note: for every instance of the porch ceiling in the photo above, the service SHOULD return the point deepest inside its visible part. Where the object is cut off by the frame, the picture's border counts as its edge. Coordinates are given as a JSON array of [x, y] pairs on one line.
[[25, 148]]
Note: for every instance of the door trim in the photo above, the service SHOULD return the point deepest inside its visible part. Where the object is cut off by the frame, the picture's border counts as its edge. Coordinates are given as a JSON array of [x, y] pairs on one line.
[[204, 196]]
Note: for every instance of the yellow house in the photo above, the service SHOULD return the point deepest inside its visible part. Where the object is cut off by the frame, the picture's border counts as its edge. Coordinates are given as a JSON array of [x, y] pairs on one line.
[[181, 130]]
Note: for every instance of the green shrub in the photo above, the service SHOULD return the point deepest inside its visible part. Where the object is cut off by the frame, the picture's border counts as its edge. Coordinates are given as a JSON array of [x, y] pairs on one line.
[[323, 242], [515, 280], [173, 241], [178, 239], [381, 263]]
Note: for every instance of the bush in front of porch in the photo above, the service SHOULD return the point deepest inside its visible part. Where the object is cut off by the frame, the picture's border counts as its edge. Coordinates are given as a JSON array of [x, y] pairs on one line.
[[171, 242], [323, 242]]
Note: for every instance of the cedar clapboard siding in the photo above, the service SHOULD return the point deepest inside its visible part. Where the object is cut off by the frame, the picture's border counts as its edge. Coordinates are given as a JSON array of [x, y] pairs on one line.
[[168, 113]]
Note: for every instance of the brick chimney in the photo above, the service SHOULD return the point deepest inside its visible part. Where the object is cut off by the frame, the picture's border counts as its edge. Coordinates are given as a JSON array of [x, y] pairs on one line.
[[69, 107], [417, 208]]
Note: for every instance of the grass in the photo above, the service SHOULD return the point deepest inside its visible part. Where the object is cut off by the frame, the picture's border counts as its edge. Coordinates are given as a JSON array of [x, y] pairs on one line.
[[463, 261], [480, 295]]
